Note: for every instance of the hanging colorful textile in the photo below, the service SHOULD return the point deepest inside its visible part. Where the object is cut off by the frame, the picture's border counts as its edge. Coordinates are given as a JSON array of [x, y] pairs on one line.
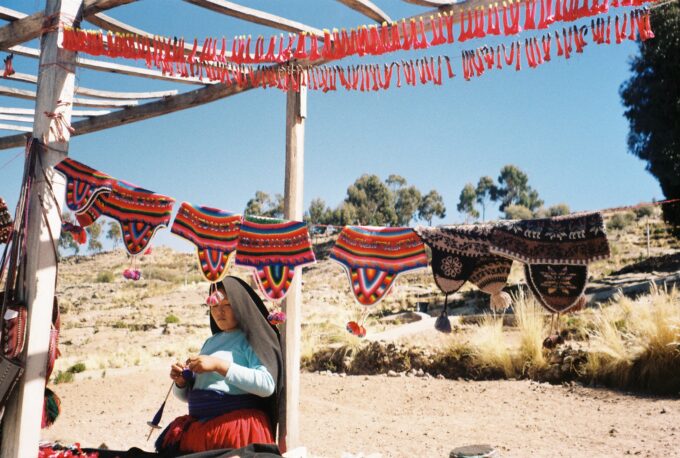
[[374, 256], [460, 254], [556, 252], [5, 222], [214, 232], [83, 184], [273, 248], [139, 212]]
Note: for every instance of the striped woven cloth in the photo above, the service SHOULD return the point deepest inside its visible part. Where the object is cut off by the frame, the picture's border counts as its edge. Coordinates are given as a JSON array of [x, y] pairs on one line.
[[83, 184], [374, 256], [215, 234], [139, 212], [273, 248]]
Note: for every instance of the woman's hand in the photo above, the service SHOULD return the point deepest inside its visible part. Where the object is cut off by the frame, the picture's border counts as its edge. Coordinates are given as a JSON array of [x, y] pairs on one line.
[[176, 375], [205, 363]]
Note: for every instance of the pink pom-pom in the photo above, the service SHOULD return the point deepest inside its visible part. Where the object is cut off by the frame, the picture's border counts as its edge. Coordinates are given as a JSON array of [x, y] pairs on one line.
[[215, 298], [276, 318]]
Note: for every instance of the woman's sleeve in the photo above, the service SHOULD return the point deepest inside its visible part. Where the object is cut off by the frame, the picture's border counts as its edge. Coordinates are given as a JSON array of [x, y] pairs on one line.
[[254, 379], [180, 393]]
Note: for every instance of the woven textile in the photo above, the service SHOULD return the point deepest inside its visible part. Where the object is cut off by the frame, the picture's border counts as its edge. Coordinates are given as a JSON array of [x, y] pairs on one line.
[[139, 212], [214, 233], [374, 256], [5, 222], [557, 287], [572, 239], [460, 254], [83, 184], [273, 248]]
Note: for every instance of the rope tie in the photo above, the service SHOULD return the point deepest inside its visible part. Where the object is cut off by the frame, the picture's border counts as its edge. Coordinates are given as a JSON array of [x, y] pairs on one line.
[[58, 124]]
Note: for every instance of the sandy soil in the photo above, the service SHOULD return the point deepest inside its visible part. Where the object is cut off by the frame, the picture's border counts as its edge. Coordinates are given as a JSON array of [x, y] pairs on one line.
[[400, 417]]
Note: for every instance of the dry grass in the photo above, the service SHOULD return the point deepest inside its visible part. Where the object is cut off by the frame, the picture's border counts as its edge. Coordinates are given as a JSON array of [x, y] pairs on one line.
[[489, 347], [530, 319], [636, 343]]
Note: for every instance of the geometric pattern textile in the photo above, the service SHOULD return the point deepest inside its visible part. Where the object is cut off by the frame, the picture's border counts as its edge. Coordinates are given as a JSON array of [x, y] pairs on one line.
[[373, 257], [213, 232], [557, 287], [273, 248]]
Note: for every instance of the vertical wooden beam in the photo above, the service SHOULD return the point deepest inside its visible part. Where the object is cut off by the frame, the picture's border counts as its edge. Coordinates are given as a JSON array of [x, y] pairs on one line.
[[296, 112], [22, 420]]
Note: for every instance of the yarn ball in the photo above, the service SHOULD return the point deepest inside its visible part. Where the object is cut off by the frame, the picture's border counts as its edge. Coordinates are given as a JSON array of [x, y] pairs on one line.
[[500, 301], [132, 274], [275, 318], [443, 324], [188, 375]]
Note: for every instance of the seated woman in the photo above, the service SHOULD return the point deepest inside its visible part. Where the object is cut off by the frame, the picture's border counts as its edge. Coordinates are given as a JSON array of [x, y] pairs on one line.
[[237, 389]]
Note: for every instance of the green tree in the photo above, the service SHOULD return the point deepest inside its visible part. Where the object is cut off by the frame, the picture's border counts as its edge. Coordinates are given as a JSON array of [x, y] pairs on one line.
[[264, 205], [514, 189], [518, 212], [94, 231], [558, 210], [66, 240], [318, 213], [114, 233], [652, 101], [372, 201], [486, 190], [407, 203], [430, 206], [275, 207], [466, 202], [395, 182], [344, 214]]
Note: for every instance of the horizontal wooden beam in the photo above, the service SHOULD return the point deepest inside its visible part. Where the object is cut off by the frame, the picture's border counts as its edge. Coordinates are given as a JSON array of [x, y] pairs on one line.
[[17, 128], [7, 14], [436, 3], [368, 9], [23, 77], [114, 68], [8, 117], [30, 27], [30, 95], [74, 113], [256, 16]]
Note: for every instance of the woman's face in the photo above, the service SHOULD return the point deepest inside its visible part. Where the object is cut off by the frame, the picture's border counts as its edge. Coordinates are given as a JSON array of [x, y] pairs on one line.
[[223, 315]]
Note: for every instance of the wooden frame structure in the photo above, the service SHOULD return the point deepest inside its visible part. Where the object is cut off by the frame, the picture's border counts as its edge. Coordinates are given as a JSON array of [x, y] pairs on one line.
[[56, 94]]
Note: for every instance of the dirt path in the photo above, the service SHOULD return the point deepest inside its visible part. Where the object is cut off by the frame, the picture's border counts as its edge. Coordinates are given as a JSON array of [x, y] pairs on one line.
[[401, 417]]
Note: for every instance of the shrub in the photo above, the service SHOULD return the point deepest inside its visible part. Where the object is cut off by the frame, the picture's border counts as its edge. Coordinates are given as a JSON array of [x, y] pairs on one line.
[[171, 319], [559, 210], [105, 276], [645, 212], [620, 221], [77, 368], [63, 377], [518, 212], [119, 325]]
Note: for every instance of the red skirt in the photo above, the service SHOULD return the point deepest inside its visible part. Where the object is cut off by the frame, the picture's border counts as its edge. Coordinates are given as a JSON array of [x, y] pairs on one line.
[[232, 430]]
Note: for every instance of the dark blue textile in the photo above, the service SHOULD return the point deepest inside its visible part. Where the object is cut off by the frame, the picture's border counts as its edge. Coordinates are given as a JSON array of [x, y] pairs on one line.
[[206, 404]]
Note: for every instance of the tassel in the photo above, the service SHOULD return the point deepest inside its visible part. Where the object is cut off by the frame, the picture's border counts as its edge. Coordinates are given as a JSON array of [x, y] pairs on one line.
[[465, 34], [132, 274], [633, 16], [479, 23], [567, 44], [77, 232], [448, 20], [545, 41], [9, 68], [500, 301], [560, 51], [443, 324], [314, 50], [448, 66], [276, 318], [528, 52], [301, 51], [511, 58], [398, 74], [493, 21], [499, 64], [355, 329], [529, 15], [518, 57], [537, 51], [488, 57]]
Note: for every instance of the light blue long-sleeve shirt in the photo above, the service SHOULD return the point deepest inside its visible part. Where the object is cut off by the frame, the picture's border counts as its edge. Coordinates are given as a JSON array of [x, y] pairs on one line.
[[246, 372]]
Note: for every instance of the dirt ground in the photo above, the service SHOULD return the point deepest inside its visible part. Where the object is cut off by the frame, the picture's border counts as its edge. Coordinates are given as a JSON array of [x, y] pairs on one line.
[[398, 417]]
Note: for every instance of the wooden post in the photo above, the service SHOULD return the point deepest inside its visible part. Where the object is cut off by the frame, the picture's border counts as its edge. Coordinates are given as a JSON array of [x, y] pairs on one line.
[[21, 431], [296, 112]]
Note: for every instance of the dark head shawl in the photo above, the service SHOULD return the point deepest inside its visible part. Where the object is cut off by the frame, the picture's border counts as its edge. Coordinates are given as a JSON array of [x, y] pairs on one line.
[[251, 314]]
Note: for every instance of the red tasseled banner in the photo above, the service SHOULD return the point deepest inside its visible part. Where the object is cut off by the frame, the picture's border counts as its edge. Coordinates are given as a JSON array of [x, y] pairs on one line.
[[259, 49], [375, 46], [326, 51], [583, 10], [529, 15], [546, 6], [385, 38], [558, 11], [448, 20], [437, 26], [405, 33], [269, 57], [464, 34]]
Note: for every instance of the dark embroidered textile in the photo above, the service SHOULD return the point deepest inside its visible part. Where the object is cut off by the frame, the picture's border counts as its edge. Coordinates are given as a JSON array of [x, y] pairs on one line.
[[572, 239], [5, 222], [460, 254], [558, 288]]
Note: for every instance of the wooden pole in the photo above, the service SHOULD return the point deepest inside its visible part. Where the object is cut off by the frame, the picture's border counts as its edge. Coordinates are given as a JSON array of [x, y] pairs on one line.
[[296, 112], [21, 431]]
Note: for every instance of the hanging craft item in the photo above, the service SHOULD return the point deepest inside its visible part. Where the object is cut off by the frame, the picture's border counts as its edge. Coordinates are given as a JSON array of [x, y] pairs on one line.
[[214, 233], [5, 222], [373, 257], [556, 252], [460, 254], [83, 184], [273, 248], [139, 212]]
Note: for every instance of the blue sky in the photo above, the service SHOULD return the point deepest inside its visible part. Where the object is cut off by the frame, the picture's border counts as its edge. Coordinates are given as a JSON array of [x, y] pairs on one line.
[[562, 124]]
